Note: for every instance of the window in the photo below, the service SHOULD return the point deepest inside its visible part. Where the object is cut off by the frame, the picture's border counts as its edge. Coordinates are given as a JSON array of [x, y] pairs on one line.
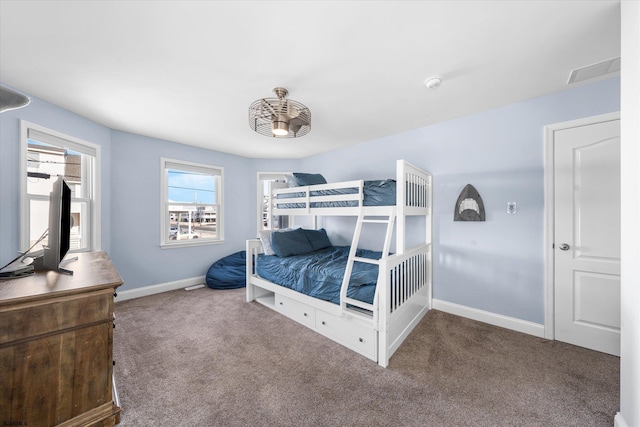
[[49, 154], [267, 182], [191, 204]]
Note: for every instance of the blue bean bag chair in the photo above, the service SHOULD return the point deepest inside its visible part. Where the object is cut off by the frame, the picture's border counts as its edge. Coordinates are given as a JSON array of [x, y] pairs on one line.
[[228, 272]]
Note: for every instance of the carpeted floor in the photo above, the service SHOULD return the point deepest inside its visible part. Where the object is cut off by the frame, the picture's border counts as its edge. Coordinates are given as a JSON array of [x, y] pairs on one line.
[[207, 358]]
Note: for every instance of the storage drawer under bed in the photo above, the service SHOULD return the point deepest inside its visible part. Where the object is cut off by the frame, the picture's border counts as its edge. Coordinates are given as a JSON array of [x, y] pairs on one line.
[[348, 331], [353, 333], [296, 310]]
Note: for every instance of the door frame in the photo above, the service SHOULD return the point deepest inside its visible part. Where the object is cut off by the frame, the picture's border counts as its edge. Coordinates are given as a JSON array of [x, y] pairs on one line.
[[549, 211]]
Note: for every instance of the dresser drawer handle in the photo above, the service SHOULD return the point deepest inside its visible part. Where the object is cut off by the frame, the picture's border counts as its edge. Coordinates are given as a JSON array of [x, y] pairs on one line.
[[324, 323], [361, 339], [305, 314], [280, 302]]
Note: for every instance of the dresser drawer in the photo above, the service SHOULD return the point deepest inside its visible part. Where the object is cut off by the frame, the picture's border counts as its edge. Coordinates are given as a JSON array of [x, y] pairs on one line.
[[297, 311], [31, 319], [349, 332]]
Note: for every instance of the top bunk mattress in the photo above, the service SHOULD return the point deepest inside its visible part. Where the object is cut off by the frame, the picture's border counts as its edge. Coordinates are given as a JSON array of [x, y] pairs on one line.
[[376, 193]]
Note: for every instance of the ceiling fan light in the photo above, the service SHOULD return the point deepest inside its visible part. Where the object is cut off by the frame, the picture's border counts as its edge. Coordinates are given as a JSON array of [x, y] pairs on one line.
[[279, 126]]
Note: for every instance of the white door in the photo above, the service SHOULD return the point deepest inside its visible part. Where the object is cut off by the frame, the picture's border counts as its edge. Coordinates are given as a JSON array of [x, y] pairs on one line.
[[587, 236]]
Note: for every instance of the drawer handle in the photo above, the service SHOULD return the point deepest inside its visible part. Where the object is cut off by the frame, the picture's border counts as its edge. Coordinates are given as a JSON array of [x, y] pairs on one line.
[[305, 314], [360, 339], [324, 323], [280, 302]]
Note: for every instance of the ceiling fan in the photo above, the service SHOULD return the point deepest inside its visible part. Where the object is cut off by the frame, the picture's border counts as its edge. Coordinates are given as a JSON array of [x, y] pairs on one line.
[[279, 117]]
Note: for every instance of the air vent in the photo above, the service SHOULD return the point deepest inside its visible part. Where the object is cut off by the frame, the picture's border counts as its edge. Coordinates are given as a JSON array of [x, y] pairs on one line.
[[600, 69]]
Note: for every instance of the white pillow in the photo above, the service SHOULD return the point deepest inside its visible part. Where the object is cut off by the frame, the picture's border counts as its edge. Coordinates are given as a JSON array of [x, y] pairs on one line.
[[265, 239], [290, 180]]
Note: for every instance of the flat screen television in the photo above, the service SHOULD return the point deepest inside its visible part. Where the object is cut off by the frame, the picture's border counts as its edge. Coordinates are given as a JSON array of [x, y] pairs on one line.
[[59, 227]]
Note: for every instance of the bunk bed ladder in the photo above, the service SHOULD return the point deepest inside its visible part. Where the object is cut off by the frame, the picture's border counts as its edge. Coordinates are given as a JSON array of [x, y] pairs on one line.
[[363, 219]]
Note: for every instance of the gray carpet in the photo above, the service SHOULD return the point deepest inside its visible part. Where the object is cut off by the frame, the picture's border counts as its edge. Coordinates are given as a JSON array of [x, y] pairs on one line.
[[207, 358]]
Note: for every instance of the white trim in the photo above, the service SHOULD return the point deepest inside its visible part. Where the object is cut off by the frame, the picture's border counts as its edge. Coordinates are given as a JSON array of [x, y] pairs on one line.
[[549, 230], [190, 243], [585, 121], [549, 209], [24, 200], [159, 288], [519, 325], [96, 229], [618, 421]]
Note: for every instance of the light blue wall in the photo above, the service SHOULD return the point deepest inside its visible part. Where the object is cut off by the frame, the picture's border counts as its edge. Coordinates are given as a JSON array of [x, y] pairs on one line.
[[57, 119], [495, 265], [135, 212]]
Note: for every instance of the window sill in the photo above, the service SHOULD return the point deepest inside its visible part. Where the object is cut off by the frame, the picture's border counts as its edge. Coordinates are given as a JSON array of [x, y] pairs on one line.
[[190, 243]]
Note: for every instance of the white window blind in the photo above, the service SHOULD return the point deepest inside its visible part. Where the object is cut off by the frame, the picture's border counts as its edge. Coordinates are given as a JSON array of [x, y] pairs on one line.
[[49, 138]]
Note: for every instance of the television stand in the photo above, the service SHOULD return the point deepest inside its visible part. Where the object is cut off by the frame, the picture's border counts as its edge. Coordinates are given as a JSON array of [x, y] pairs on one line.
[[38, 265], [56, 346], [65, 261]]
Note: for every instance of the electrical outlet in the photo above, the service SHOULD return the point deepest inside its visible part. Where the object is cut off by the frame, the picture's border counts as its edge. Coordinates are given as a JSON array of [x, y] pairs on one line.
[[511, 207]]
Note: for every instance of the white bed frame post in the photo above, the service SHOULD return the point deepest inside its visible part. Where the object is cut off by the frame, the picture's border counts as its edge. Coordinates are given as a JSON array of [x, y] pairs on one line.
[[383, 313], [429, 240], [401, 196], [250, 295]]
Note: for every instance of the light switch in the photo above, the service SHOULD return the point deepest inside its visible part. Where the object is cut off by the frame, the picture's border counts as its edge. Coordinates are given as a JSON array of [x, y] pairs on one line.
[[511, 207]]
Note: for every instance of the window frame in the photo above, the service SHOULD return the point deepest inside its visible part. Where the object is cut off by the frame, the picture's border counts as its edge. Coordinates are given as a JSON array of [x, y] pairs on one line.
[[165, 242], [94, 202]]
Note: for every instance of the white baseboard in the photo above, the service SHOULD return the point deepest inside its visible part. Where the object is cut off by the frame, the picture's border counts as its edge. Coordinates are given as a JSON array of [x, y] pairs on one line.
[[618, 421], [524, 326], [159, 288]]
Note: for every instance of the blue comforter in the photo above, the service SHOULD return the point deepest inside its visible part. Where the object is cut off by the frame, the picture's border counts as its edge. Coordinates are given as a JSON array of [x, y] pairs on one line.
[[319, 274]]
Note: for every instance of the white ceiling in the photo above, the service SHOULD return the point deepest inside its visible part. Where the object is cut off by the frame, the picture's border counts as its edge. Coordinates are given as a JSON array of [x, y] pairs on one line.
[[186, 71]]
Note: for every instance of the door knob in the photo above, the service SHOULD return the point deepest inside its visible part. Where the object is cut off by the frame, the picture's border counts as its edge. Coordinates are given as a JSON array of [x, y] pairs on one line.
[[564, 247]]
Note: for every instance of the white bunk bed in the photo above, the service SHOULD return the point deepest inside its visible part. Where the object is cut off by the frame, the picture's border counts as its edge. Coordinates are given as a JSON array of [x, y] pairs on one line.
[[403, 290]]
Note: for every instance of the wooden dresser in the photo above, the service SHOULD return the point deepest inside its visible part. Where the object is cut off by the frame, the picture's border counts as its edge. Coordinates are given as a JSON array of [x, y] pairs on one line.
[[56, 340]]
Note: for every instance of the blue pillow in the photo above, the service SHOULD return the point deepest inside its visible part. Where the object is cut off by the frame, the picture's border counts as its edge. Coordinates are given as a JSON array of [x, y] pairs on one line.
[[318, 239], [287, 243], [303, 179]]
